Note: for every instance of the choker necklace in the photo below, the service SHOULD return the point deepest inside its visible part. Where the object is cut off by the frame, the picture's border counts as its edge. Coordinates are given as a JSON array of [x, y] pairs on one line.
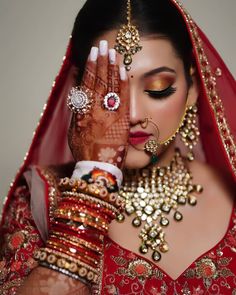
[[151, 195]]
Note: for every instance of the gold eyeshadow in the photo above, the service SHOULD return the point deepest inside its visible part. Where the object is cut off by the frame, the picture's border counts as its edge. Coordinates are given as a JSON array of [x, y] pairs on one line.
[[159, 84]]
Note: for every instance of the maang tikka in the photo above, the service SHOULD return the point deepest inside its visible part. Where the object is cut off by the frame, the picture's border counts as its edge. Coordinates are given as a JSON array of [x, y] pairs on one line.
[[128, 39]]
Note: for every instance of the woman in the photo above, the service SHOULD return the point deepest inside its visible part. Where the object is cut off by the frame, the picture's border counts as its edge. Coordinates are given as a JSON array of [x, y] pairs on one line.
[[132, 106]]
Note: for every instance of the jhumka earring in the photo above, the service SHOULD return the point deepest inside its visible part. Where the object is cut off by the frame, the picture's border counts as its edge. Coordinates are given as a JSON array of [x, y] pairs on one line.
[[153, 194], [189, 132], [128, 39]]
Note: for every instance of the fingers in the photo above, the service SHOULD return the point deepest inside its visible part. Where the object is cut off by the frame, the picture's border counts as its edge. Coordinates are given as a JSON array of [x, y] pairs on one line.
[[102, 69], [124, 89], [89, 77], [113, 73]]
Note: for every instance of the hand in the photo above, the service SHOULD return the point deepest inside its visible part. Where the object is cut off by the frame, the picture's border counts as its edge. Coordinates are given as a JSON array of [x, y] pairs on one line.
[[100, 134]]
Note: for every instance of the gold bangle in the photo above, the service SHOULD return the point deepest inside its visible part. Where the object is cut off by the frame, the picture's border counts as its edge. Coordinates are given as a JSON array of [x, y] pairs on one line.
[[84, 219], [69, 213], [81, 241], [64, 248], [66, 265], [113, 207]]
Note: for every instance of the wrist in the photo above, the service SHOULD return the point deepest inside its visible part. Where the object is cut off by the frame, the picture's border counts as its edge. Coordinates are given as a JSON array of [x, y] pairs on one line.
[[84, 167], [84, 212]]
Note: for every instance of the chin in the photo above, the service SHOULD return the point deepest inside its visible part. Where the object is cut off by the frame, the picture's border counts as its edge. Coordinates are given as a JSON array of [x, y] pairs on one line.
[[136, 159]]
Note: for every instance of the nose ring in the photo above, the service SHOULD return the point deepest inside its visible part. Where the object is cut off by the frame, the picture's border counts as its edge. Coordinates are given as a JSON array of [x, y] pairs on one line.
[[144, 123]]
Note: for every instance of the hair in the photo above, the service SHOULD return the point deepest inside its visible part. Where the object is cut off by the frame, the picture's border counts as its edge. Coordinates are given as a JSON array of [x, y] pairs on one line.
[[153, 17]]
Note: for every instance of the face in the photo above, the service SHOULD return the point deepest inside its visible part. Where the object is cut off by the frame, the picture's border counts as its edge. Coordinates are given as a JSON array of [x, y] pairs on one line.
[[158, 92]]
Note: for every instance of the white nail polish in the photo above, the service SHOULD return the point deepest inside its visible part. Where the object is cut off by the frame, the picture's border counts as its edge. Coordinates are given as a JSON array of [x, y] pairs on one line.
[[103, 47], [93, 54], [123, 74], [112, 56]]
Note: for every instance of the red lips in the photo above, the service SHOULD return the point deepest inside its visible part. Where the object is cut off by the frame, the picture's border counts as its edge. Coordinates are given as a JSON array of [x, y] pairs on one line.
[[138, 137]]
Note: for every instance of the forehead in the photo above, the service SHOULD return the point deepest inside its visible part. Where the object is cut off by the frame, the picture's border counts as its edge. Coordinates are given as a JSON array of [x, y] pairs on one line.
[[156, 52]]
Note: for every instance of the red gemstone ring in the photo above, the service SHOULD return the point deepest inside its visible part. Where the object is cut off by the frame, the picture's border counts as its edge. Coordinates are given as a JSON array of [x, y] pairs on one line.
[[111, 101]]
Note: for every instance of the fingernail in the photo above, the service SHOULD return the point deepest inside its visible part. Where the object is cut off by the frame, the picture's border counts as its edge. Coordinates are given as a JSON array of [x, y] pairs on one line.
[[112, 56], [103, 47], [123, 74], [93, 53]]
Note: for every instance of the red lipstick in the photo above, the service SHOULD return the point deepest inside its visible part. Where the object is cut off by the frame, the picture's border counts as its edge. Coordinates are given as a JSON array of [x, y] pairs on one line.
[[138, 137]]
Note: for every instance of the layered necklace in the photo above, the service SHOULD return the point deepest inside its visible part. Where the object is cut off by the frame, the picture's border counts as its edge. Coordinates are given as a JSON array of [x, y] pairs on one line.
[[152, 196]]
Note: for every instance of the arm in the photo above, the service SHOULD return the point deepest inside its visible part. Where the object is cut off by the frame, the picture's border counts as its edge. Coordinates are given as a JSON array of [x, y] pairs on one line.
[[87, 205], [19, 239], [44, 281]]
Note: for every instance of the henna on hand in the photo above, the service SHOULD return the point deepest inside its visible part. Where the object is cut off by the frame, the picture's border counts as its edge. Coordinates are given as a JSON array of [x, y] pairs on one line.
[[102, 135], [43, 281]]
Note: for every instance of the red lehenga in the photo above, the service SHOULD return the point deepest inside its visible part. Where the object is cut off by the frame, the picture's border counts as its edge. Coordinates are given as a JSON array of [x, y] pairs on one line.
[[123, 272]]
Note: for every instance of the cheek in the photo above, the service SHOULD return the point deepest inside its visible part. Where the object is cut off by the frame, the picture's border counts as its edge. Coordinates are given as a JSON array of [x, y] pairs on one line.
[[168, 113]]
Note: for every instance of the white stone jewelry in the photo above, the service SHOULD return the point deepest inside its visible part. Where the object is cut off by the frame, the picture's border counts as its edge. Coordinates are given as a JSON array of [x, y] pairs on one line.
[[111, 101], [79, 100]]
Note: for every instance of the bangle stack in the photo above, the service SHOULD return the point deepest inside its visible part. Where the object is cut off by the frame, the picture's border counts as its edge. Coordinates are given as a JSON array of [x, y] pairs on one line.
[[84, 211]]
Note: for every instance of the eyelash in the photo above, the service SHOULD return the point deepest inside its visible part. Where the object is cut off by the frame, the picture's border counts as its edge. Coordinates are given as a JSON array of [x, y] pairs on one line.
[[161, 94]]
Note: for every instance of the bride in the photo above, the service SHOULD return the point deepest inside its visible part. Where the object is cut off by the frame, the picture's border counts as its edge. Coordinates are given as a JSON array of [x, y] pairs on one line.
[[141, 200]]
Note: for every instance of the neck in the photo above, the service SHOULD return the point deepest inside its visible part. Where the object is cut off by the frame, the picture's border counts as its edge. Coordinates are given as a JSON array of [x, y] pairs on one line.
[[165, 157]]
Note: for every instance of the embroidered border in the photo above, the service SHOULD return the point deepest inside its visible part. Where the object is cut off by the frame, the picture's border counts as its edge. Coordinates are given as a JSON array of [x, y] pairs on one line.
[[209, 82]]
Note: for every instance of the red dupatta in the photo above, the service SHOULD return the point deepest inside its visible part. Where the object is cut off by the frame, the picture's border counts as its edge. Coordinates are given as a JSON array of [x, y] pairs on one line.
[[216, 101]]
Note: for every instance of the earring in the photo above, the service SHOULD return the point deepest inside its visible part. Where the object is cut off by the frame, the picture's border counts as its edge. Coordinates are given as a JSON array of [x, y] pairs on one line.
[[189, 132]]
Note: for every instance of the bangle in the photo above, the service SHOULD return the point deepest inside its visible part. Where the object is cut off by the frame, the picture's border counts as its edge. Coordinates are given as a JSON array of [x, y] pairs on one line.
[[73, 202], [73, 251], [95, 222], [84, 211], [76, 240], [113, 201], [96, 176], [87, 233], [66, 264]]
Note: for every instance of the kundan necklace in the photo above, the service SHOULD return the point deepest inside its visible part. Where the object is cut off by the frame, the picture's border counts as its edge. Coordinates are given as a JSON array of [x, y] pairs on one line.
[[151, 195]]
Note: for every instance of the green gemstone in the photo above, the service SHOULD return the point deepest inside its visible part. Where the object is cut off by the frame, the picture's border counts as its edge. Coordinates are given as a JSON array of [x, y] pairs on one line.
[[154, 159]]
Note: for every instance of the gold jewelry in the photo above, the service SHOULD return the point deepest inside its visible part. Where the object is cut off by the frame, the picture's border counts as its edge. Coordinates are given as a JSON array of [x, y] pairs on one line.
[[128, 39], [189, 131], [152, 145], [152, 194], [144, 123], [66, 264]]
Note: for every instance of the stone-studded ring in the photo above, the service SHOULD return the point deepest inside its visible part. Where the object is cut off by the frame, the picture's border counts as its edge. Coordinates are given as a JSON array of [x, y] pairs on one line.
[[111, 101], [79, 100]]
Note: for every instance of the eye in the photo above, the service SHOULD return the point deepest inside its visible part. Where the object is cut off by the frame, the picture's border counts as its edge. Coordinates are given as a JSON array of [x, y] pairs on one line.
[[161, 94]]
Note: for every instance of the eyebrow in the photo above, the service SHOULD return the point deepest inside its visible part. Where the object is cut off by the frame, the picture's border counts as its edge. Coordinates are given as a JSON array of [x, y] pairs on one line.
[[159, 70]]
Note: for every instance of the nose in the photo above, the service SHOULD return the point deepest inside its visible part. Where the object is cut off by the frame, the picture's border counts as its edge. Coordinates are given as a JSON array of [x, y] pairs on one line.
[[137, 108]]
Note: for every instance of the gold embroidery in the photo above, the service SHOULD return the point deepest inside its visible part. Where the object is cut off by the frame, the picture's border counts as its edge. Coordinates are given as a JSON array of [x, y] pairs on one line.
[[206, 268], [140, 269], [53, 192], [4, 290], [210, 85]]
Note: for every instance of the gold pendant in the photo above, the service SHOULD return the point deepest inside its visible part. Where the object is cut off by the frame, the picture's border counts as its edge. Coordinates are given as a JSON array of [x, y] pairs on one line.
[[128, 40], [151, 195]]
